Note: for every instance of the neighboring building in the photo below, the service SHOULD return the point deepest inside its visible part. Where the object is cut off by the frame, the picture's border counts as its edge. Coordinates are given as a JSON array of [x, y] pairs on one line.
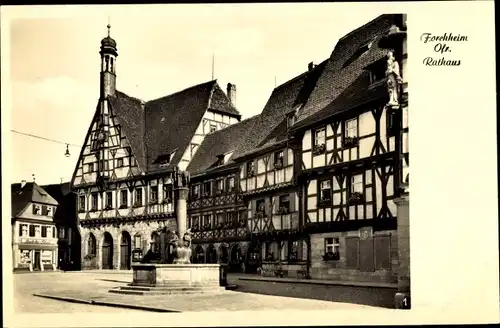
[[123, 175], [217, 214], [34, 241], [66, 221], [351, 145], [267, 169]]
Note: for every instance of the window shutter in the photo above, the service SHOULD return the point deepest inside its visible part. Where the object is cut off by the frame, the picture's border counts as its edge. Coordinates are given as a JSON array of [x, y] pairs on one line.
[[352, 250], [21, 229], [382, 252], [292, 202], [275, 200]]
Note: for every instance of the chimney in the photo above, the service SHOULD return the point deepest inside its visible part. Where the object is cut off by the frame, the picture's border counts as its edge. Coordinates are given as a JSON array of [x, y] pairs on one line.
[[231, 93], [310, 66], [23, 183]]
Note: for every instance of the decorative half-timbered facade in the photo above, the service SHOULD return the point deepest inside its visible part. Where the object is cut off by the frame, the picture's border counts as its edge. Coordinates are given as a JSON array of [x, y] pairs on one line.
[[350, 172], [123, 177], [217, 214]]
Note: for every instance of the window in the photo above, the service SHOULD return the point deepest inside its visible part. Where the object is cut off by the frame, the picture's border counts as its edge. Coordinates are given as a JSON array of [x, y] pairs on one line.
[[325, 192], [357, 183], [207, 221], [109, 199], [123, 199], [23, 230], [196, 191], [319, 136], [153, 196], [138, 197], [44, 209], [377, 73], [293, 250], [119, 162], [261, 206], [220, 160], [91, 245], [137, 241], [284, 204], [32, 230], [392, 123], [207, 189], [351, 128], [37, 231], [44, 231], [250, 169], [36, 209], [93, 198], [167, 194], [81, 203], [278, 159], [332, 246], [213, 127], [220, 186], [62, 232], [90, 167], [290, 121], [230, 184]]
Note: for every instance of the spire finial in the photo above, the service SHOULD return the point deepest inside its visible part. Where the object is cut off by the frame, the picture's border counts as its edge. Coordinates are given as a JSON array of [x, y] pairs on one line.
[[109, 27]]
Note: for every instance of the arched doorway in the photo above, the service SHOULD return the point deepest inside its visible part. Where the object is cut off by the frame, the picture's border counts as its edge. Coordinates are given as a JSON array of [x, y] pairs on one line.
[[236, 259], [211, 254], [223, 254], [107, 251], [155, 246], [125, 251], [254, 257], [199, 255]]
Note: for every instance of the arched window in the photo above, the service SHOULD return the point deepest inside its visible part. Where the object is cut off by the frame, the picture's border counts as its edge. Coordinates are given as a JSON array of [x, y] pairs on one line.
[[111, 68], [155, 243], [92, 244], [107, 63]]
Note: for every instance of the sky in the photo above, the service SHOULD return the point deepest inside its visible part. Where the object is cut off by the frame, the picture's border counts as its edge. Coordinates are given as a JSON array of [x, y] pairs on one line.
[[54, 64]]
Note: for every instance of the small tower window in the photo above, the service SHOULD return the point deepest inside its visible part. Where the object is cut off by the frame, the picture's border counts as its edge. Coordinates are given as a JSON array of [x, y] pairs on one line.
[[111, 68], [107, 63]]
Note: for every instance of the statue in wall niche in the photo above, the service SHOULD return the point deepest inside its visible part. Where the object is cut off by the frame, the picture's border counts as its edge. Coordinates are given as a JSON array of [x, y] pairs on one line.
[[394, 79], [181, 178]]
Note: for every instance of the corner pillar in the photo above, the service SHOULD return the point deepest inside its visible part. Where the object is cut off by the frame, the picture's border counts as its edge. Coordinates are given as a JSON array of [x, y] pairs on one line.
[[402, 298]]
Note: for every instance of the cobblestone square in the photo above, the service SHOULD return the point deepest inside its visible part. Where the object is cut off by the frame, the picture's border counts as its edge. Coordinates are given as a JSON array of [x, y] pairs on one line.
[[94, 286]]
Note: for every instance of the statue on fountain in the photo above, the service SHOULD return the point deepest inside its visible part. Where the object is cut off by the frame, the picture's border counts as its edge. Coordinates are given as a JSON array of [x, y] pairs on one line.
[[394, 79], [182, 248]]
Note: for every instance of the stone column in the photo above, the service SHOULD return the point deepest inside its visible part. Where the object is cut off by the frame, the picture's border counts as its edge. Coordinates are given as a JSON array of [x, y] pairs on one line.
[[181, 195], [402, 298]]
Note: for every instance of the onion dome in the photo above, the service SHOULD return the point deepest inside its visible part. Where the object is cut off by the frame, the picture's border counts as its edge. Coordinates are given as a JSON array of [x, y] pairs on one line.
[[108, 44]]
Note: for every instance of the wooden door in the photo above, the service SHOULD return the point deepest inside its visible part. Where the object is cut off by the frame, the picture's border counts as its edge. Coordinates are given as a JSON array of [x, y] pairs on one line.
[[106, 257], [125, 252]]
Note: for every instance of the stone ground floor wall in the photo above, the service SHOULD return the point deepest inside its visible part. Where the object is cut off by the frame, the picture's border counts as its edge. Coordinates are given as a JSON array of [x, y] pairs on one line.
[[231, 246], [363, 256], [144, 229]]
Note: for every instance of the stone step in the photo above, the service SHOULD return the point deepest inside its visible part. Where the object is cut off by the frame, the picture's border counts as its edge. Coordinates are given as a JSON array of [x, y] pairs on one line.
[[141, 288], [172, 285], [167, 291]]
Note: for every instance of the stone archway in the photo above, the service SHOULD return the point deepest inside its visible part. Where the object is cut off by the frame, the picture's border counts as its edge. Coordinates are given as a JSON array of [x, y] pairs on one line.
[[235, 259], [107, 251], [125, 251], [211, 256], [253, 257], [199, 255], [223, 254]]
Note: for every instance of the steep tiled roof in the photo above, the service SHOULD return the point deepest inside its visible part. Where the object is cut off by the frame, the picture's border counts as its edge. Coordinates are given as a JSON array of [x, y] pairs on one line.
[[30, 192], [345, 68], [271, 127], [219, 143], [130, 113], [162, 126]]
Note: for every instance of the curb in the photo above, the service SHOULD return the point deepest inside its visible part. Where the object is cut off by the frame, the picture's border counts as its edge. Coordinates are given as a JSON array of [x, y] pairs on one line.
[[105, 303], [323, 283]]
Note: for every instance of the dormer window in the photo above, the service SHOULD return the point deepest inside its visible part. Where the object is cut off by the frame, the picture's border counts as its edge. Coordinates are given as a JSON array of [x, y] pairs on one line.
[[163, 160], [290, 121], [360, 52], [213, 127], [36, 209], [377, 71]]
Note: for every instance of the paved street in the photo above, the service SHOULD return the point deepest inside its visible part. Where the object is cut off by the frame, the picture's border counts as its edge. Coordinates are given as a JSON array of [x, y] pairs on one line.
[[94, 286]]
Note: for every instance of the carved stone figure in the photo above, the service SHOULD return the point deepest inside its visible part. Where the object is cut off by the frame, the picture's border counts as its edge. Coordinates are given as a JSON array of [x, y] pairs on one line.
[[181, 178], [393, 79]]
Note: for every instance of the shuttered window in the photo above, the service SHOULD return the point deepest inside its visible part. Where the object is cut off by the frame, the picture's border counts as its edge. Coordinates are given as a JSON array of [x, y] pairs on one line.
[[352, 251]]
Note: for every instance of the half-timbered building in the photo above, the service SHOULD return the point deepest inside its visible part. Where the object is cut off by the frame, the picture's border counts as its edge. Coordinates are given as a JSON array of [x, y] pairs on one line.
[[217, 214], [267, 183], [122, 179], [354, 153]]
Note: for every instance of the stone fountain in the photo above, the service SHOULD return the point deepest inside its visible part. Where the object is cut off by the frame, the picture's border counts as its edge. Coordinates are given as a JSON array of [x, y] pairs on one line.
[[181, 277]]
